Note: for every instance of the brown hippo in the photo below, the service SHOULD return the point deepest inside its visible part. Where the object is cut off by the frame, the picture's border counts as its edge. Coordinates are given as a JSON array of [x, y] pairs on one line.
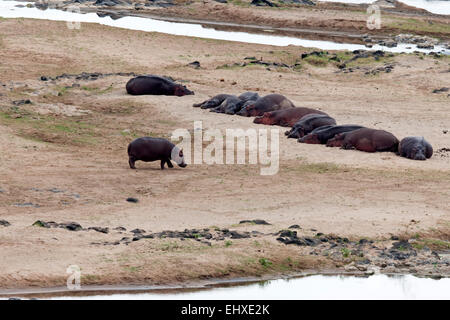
[[416, 148], [308, 123], [154, 85], [285, 117], [365, 139], [149, 149], [271, 102], [213, 102], [322, 134]]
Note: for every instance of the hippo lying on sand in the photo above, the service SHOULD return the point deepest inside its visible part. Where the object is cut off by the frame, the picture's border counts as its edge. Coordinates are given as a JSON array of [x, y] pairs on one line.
[[365, 139], [267, 103], [286, 117], [416, 148], [149, 149], [213, 102], [322, 134], [233, 104], [308, 123], [154, 85]]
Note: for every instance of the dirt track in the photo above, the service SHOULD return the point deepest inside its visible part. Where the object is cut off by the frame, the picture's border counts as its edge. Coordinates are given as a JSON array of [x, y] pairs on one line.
[[63, 158]]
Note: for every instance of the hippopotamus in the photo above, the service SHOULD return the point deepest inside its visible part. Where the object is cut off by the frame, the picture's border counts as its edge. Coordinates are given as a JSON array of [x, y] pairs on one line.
[[149, 149], [271, 102], [229, 105], [416, 148], [247, 98], [213, 102], [322, 134], [365, 139], [285, 117], [154, 85], [308, 123]]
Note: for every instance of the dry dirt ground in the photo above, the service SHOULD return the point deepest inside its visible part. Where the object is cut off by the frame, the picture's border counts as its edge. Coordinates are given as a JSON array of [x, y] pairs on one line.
[[63, 158]]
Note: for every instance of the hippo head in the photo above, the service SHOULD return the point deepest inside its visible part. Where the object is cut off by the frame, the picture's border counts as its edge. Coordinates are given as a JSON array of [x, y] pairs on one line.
[[337, 141], [296, 132], [266, 118], [311, 138], [247, 108], [178, 156], [181, 90], [418, 152]]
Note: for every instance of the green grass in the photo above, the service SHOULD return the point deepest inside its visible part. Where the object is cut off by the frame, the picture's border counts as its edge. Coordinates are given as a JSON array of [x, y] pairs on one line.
[[47, 128], [415, 25], [228, 243], [265, 262]]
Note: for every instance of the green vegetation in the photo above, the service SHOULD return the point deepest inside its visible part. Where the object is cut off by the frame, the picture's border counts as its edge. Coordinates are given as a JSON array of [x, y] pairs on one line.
[[265, 262], [228, 243], [415, 25]]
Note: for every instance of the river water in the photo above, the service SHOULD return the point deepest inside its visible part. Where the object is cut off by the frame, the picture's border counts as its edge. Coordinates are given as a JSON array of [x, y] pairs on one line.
[[305, 288], [9, 9]]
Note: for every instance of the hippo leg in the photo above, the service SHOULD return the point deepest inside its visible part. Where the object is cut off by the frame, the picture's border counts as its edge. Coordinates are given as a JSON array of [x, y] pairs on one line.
[[162, 164], [169, 164], [131, 162]]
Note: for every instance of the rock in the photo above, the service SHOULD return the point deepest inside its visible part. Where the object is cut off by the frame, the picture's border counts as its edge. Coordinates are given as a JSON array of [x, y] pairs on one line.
[[294, 226], [260, 3], [4, 223], [444, 89], [40, 224], [132, 200], [120, 229], [21, 102], [136, 231], [256, 221], [194, 64], [221, 1], [72, 226], [99, 229]]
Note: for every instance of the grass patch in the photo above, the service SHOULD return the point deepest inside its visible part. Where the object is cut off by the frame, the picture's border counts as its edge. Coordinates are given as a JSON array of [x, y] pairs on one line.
[[433, 244], [415, 25], [47, 128]]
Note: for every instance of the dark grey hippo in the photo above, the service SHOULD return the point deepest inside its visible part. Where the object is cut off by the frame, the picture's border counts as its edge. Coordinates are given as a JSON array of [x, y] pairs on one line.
[[268, 103], [322, 134], [229, 104], [308, 123], [149, 149], [416, 148], [154, 85], [213, 102]]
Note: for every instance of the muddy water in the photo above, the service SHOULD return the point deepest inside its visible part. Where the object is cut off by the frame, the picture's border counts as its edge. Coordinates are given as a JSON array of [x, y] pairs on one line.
[[308, 287], [9, 9]]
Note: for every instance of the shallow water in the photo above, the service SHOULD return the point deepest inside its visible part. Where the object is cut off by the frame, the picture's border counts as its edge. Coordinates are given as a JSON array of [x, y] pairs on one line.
[[8, 9], [310, 287], [433, 6]]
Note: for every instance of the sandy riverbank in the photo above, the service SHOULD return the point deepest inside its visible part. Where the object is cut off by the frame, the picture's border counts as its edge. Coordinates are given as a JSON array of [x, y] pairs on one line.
[[63, 158]]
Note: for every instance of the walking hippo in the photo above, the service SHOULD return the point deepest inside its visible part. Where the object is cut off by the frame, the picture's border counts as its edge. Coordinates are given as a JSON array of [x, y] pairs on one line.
[[154, 85], [286, 117], [267, 103], [365, 139], [149, 149], [308, 123], [322, 134], [213, 102], [416, 148]]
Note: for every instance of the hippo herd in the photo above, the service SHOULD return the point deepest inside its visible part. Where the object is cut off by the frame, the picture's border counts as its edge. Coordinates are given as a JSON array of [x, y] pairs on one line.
[[307, 125], [314, 126]]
